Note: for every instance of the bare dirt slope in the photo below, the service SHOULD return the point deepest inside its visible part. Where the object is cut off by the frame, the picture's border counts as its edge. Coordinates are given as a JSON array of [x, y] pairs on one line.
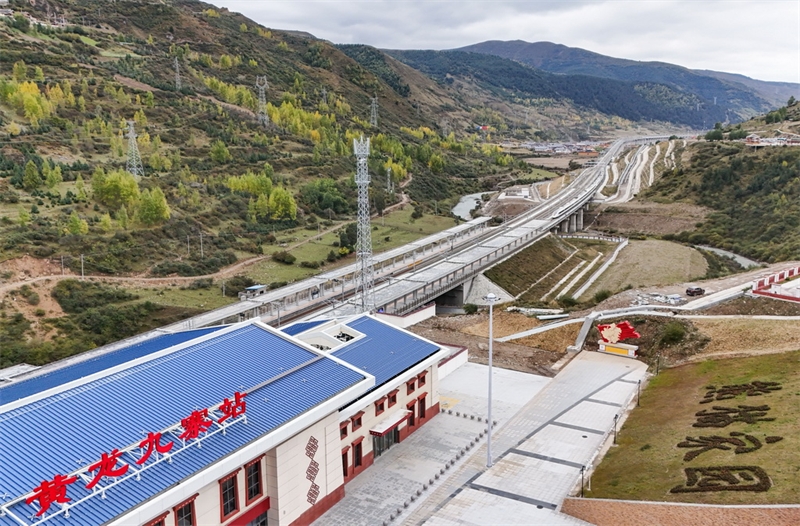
[[472, 332], [647, 218]]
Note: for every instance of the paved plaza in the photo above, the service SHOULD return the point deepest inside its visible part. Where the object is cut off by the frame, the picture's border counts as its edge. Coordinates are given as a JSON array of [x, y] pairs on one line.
[[547, 429], [377, 493], [538, 453]]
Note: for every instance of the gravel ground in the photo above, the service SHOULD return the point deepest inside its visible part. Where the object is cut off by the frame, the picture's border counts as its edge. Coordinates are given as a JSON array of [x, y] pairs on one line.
[[472, 331]]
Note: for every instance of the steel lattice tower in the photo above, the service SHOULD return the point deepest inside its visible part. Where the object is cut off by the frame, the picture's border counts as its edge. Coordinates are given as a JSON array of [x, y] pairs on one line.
[[373, 113], [135, 167], [366, 278], [324, 96], [389, 179], [177, 75], [262, 85]]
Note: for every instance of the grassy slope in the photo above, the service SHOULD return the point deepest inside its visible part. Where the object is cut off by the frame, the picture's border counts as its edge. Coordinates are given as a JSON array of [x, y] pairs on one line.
[[647, 462]]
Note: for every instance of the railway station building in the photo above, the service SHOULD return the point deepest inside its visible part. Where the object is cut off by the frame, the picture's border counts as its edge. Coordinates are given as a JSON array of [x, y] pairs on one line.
[[233, 425]]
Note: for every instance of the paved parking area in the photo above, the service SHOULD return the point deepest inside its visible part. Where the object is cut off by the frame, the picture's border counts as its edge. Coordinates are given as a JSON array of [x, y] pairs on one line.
[[389, 484]]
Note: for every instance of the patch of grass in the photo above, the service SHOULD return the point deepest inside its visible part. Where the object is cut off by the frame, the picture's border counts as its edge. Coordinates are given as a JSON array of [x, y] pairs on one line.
[[648, 463], [651, 262]]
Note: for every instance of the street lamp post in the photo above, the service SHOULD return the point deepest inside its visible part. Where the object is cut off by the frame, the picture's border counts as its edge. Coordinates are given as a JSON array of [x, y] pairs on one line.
[[638, 392], [583, 468], [616, 417], [278, 305], [490, 299]]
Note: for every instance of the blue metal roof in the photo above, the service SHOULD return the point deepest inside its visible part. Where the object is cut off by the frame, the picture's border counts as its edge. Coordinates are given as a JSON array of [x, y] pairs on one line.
[[16, 390], [386, 351], [301, 326], [52, 435]]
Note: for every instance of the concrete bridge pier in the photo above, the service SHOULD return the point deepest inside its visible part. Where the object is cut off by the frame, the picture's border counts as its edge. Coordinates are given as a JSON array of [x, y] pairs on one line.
[[580, 219], [565, 226], [572, 223]]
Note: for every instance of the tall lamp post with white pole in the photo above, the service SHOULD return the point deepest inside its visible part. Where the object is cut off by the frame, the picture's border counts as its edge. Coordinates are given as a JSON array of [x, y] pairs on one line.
[[490, 299]]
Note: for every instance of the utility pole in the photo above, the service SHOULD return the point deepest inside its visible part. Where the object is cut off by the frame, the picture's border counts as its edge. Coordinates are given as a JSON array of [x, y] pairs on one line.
[[366, 281], [262, 85], [82, 274], [134, 167], [177, 75], [389, 179], [373, 112], [188, 248], [324, 96], [201, 246], [62, 265]]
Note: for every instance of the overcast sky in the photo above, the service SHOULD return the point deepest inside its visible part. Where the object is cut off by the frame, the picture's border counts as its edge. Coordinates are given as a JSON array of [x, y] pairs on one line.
[[757, 38]]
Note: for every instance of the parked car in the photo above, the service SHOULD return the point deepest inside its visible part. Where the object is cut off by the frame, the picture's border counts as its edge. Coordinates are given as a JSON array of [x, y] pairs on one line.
[[695, 291]]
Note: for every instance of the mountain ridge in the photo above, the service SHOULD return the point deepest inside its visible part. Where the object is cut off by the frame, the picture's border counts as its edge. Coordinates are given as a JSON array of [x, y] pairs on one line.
[[745, 96]]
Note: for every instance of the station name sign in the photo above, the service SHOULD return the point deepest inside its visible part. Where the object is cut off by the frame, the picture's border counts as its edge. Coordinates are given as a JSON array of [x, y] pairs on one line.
[[110, 464]]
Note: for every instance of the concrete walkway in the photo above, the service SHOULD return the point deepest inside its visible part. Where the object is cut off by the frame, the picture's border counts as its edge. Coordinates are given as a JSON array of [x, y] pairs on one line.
[[389, 484], [539, 452]]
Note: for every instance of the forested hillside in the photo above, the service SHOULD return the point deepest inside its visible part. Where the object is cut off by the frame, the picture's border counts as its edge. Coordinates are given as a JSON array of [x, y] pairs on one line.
[[67, 92], [634, 100], [753, 190], [743, 97]]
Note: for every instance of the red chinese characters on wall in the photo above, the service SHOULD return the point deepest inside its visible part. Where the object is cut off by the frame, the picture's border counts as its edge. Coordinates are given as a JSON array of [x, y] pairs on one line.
[[111, 465]]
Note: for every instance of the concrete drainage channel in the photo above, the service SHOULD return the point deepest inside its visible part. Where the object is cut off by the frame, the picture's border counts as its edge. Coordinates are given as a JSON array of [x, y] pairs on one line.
[[443, 470]]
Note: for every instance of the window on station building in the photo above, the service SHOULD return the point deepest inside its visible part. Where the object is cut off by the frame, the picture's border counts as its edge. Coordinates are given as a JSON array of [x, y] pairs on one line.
[[184, 513], [422, 407], [411, 407], [380, 406], [253, 480], [411, 385], [345, 461], [261, 520], [343, 430], [356, 419], [392, 398], [161, 520], [229, 496], [357, 455], [421, 378]]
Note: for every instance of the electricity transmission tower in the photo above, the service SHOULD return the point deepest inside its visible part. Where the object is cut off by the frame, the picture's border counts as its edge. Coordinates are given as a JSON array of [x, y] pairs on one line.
[[373, 112], [389, 183], [262, 85], [135, 167], [324, 96], [366, 279], [177, 75]]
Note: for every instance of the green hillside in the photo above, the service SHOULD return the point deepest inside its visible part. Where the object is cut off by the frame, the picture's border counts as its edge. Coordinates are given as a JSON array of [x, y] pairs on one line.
[[67, 92], [635, 100], [753, 190]]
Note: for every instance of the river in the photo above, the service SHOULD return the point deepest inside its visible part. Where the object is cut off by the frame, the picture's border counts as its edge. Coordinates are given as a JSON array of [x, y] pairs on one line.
[[743, 261], [467, 204]]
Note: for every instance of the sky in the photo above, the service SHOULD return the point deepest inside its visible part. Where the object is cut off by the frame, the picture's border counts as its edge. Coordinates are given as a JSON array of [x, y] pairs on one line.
[[757, 38]]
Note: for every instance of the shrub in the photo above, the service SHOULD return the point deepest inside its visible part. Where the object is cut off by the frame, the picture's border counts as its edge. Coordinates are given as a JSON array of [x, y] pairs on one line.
[[470, 308], [284, 257], [75, 296], [567, 301], [602, 295], [237, 284], [673, 333], [202, 283], [309, 264]]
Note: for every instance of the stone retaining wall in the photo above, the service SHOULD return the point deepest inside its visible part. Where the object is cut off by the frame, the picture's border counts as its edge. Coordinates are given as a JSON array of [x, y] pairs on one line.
[[602, 512]]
